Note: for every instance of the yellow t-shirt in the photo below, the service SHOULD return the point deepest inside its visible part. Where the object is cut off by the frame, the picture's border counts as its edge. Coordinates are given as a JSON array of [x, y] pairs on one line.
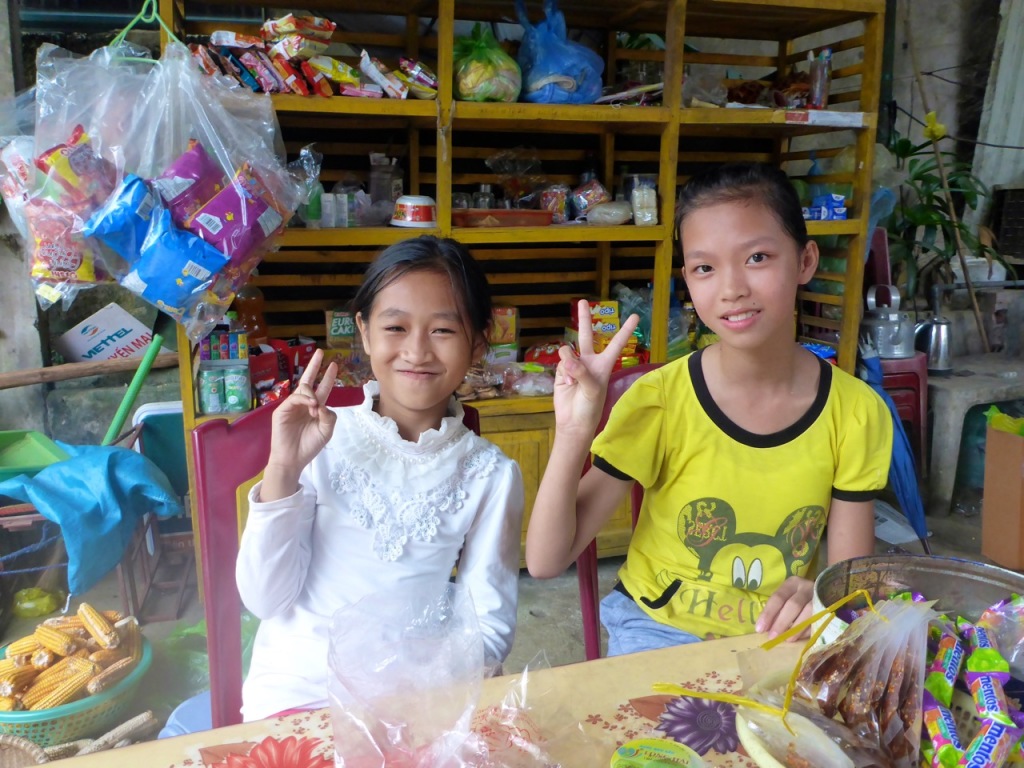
[[728, 515]]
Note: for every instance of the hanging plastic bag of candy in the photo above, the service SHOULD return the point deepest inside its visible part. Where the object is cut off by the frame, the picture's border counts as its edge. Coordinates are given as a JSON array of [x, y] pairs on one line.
[[173, 181], [556, 70]]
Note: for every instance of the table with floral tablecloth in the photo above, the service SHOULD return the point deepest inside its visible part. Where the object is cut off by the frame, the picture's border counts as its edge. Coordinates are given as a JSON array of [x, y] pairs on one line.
[[610, 701]]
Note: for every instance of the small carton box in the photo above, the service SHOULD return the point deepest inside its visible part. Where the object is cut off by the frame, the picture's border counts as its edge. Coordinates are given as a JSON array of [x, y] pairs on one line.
[[343, 336], [1002, 513], [504, 326], [604, 316], [110, 333]]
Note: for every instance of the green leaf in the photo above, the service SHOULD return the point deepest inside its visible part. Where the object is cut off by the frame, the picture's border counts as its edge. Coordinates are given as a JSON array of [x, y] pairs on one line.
[[903, 149]]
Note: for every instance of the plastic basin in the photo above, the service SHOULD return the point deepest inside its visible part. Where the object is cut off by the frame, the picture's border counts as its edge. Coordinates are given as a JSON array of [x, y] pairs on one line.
[[26, 452]]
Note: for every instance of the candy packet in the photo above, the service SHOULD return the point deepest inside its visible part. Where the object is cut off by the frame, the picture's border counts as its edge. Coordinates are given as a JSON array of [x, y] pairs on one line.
[[188, 182]]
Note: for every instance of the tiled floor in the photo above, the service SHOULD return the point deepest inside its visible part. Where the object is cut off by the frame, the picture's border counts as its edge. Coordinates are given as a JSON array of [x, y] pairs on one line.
[[549, 626]]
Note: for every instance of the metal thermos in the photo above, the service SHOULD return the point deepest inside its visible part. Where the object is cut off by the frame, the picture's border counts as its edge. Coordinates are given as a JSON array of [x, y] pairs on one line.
[[933, 337]]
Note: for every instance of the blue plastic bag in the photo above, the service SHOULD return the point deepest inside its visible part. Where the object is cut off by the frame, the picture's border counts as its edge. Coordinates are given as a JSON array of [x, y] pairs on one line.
[[556, 70]]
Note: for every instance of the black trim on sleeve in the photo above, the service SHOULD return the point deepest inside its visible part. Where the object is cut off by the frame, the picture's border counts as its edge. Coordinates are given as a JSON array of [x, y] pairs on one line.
[[855, 495], [607, 468]]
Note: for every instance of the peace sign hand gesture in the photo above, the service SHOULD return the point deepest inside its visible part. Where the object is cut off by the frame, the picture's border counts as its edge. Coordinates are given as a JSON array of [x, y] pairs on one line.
[[303, 424], [581, 383]]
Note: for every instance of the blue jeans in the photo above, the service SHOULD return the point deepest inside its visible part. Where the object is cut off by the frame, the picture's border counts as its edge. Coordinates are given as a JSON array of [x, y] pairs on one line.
[[630, 630]]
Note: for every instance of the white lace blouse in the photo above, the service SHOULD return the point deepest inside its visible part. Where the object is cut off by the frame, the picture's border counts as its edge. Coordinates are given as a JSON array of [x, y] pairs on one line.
[[375, 512]]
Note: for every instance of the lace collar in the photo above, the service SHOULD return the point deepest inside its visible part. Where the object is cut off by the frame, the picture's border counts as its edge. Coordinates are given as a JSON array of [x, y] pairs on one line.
[[385, 429]]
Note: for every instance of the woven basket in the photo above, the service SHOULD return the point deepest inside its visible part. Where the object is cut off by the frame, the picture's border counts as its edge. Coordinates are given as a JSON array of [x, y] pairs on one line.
[[86, 717], [16, 752]]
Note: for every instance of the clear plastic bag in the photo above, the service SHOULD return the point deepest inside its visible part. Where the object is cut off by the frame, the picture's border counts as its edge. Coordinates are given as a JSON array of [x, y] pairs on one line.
[[483, 71], [171, 181], [17, 150], [404, 677], [556, 70]]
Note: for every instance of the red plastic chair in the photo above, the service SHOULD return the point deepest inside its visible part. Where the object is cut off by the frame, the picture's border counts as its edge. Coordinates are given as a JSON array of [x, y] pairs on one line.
[[227, 455], [586, 563]]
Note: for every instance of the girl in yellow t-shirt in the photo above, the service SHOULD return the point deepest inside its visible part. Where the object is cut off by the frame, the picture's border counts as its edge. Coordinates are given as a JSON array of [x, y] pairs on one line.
[[745, 449]]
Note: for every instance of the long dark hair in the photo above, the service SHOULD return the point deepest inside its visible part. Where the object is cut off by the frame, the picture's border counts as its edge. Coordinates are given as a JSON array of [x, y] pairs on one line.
[[745, 182], [430, 254]]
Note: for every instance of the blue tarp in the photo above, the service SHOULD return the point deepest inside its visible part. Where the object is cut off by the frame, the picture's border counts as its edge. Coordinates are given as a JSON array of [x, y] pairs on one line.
[[97, 497]]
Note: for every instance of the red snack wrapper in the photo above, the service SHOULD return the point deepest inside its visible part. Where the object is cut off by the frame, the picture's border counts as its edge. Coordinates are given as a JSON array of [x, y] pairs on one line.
[[317, 82], [84, 175], [292, 77], [202, 57], [226, 38], [59, 253]]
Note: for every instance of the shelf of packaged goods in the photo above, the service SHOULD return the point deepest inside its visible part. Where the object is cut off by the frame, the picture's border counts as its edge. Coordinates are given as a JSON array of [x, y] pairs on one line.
[[312, 238], [351, 105], [565, 118], [774, 122], [559, 233]]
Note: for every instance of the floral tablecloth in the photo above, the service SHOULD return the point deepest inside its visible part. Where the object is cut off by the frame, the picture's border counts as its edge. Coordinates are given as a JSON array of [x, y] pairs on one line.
[[610, 700]]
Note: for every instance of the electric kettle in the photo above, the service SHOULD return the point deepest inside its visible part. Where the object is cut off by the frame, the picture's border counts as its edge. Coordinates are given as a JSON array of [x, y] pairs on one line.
[[936, 344]]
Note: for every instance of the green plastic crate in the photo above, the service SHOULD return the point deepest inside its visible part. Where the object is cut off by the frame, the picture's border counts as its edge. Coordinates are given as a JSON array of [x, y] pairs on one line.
[[25, 452]]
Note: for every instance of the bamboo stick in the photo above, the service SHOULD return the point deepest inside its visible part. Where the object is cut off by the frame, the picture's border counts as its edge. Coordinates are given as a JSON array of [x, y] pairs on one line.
[[945, 185], [67, 371]]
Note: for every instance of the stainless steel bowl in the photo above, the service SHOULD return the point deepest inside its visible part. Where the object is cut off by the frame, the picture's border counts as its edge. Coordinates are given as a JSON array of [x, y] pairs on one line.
[[960, 587]]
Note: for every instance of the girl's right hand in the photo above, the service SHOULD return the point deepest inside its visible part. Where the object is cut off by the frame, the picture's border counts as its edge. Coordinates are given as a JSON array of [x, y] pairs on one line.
[[303, 424], [581, 383]]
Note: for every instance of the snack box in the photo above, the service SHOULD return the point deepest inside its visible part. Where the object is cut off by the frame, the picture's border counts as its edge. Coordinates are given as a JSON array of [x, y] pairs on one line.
[[604, 316], [501, 353], [504, 325], [26, 452]]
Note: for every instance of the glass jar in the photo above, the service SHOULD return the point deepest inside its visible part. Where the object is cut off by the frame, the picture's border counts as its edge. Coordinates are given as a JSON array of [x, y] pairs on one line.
[[484, 198]]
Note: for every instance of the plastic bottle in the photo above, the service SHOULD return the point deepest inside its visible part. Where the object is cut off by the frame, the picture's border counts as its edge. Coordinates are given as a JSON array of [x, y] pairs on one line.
[[249, 306], [644, 200], [484, 198]]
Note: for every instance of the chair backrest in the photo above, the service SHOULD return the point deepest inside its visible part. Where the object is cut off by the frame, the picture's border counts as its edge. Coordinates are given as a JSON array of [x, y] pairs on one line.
[[229, 454], [586, 563]]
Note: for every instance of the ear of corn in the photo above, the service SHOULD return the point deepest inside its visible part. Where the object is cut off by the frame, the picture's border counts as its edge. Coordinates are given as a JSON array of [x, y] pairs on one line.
[[6, 665], [40, 689], [66, 668], [43, 659], [67, 691], [112, 674], [57, 641], [16, 680], [131, 637], [107, 656], [9, 704], [74, 621], [98, 626], [21, 660], [23, 645]]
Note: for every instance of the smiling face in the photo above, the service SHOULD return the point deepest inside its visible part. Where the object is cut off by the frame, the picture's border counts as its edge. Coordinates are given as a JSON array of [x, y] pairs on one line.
[[420, 348], [742, 270]]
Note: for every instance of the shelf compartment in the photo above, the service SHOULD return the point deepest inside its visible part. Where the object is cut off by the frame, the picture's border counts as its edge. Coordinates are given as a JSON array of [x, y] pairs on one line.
[[339, 236], [567, 118], [774, 122], [560, 233]]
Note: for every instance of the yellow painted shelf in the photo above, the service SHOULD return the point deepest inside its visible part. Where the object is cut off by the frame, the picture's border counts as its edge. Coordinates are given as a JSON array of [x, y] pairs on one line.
[[559, 233], [771, 122], [311, 238], [552, 114], [843, 227], [351, 105]]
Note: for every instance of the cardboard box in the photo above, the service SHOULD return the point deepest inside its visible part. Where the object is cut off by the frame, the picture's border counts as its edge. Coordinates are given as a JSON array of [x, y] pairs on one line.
[[1002, 513], [106, 335], [604, 315], [343, 336], [501, 353]]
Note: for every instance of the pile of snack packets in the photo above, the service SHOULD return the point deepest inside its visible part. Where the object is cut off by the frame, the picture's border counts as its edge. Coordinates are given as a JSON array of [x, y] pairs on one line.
[[964, 660], [605, 323], [289, 56]]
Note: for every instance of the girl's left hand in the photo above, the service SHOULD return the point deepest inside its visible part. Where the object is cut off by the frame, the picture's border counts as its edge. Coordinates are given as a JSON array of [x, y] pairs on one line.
[[789, 605]]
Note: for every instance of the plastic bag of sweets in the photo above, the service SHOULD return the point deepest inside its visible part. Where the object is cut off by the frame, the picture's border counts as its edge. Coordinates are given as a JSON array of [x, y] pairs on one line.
[[310, 26], [483, 71]]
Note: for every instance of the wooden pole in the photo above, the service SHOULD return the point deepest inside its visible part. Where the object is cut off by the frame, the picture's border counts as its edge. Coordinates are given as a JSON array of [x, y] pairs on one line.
[[80, 370], [945, 184]]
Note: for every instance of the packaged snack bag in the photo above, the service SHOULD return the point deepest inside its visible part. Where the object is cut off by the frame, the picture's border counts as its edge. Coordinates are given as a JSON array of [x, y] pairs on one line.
[[189, 182], [335, 70], [226, 38], [123, 221], [238, 219], [174, 268], [298, 47], [85, 176], [310, 26], [291, 77], [317, 81], [382, 76], [418, 72]]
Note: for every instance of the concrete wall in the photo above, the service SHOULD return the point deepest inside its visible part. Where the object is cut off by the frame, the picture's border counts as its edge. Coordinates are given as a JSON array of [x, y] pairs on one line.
[[21, 408]]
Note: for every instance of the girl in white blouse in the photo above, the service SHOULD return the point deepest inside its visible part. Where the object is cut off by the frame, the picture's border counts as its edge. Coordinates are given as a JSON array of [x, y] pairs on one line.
[[386, 494]]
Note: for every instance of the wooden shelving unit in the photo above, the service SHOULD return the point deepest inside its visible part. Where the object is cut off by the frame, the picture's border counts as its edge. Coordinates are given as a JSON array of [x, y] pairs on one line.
[[444, 143]]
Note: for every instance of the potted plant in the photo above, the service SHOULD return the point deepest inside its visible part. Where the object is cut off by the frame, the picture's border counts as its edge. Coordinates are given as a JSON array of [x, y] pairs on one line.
[[922, 233]]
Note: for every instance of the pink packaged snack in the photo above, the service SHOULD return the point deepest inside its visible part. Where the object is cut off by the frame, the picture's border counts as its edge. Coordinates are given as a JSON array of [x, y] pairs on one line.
[[263, 73], [238, 219], [189, 182]]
